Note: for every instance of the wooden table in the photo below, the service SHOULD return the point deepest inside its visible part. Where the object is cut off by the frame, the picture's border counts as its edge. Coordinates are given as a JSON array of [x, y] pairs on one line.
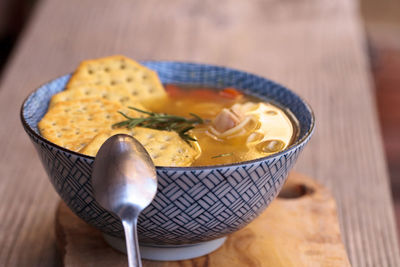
[[316, 47]]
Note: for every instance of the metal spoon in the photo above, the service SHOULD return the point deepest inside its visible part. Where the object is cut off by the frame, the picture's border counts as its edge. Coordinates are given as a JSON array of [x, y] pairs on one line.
[[124, 182]]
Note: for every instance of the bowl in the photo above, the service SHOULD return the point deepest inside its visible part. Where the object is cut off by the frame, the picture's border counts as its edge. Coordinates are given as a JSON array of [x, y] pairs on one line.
[[193, 205]]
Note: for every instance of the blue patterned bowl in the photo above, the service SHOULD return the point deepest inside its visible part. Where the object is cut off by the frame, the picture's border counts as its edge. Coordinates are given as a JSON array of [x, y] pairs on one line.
[[193, 204]]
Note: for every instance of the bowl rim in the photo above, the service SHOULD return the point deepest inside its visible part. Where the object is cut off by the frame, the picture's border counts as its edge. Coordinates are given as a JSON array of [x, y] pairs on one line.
[[293, 146]]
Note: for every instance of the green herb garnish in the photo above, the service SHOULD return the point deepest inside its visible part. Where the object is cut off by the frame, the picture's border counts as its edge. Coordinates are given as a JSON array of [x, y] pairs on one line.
[[222, 155], [161, 121]]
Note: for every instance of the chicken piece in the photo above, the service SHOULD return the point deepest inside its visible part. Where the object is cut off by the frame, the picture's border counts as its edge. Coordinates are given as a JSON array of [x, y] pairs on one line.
[[225, 120]]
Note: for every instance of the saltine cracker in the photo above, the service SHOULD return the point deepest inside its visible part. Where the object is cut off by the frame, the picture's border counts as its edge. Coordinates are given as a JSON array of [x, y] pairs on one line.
[[72, 124], [120, 71], [165, 148]]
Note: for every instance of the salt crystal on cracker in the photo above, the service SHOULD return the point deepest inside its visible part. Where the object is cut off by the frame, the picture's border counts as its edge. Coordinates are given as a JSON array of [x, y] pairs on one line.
[[165, 148], [119, 71], [72, 124]]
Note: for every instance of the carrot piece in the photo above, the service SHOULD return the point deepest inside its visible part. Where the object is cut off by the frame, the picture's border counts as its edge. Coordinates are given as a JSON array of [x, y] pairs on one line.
[[230, 92]]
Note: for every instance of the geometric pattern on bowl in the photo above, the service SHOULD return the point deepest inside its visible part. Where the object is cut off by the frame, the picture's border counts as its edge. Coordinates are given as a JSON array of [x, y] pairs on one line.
[[192, 204]]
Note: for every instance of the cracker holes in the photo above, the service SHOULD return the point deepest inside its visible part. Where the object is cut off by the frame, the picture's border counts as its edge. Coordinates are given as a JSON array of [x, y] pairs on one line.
[[113, 82], [129, 79], [122, 65], [123, 99], [106, 69], [135, 93]]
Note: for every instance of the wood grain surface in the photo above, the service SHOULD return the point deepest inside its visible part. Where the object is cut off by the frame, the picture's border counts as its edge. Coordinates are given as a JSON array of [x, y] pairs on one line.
[[299, 229], [316, 47]]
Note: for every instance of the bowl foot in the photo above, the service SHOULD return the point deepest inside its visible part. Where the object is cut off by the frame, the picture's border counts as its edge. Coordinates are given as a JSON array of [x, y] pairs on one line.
[[168, 252]]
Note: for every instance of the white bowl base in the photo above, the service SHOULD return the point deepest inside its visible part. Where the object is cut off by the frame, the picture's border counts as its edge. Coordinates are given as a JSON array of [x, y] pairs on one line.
[[168, 252]]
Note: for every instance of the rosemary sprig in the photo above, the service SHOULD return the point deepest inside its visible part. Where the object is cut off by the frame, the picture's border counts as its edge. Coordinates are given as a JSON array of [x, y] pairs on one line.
[[161, 121], [222, 155]]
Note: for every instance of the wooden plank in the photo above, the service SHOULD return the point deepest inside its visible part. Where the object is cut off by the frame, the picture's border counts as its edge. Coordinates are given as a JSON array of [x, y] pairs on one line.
[[315, 47], [299, 229]]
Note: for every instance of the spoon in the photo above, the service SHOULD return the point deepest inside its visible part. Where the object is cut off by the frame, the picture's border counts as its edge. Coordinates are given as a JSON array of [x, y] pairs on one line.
[[125, 182]]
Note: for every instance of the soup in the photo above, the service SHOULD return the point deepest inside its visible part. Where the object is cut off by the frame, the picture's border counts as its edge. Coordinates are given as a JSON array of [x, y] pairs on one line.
[[236, 127]]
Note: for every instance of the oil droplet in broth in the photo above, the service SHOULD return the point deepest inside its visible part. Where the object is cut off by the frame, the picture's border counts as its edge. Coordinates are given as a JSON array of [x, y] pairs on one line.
[[270, 146]]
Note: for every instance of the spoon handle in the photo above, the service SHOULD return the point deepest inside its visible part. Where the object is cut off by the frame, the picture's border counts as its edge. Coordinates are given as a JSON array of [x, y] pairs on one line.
[[132, 244]]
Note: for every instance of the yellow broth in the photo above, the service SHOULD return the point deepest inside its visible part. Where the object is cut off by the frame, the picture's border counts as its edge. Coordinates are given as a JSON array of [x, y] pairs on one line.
[[208, 103]]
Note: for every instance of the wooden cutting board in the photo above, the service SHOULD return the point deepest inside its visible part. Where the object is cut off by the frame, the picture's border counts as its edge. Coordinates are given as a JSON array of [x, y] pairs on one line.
[[299, 228]]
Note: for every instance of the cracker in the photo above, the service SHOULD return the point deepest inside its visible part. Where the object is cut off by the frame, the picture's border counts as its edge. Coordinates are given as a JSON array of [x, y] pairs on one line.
[[119, 71], [165, 148], [72, 124], [114, 94]]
